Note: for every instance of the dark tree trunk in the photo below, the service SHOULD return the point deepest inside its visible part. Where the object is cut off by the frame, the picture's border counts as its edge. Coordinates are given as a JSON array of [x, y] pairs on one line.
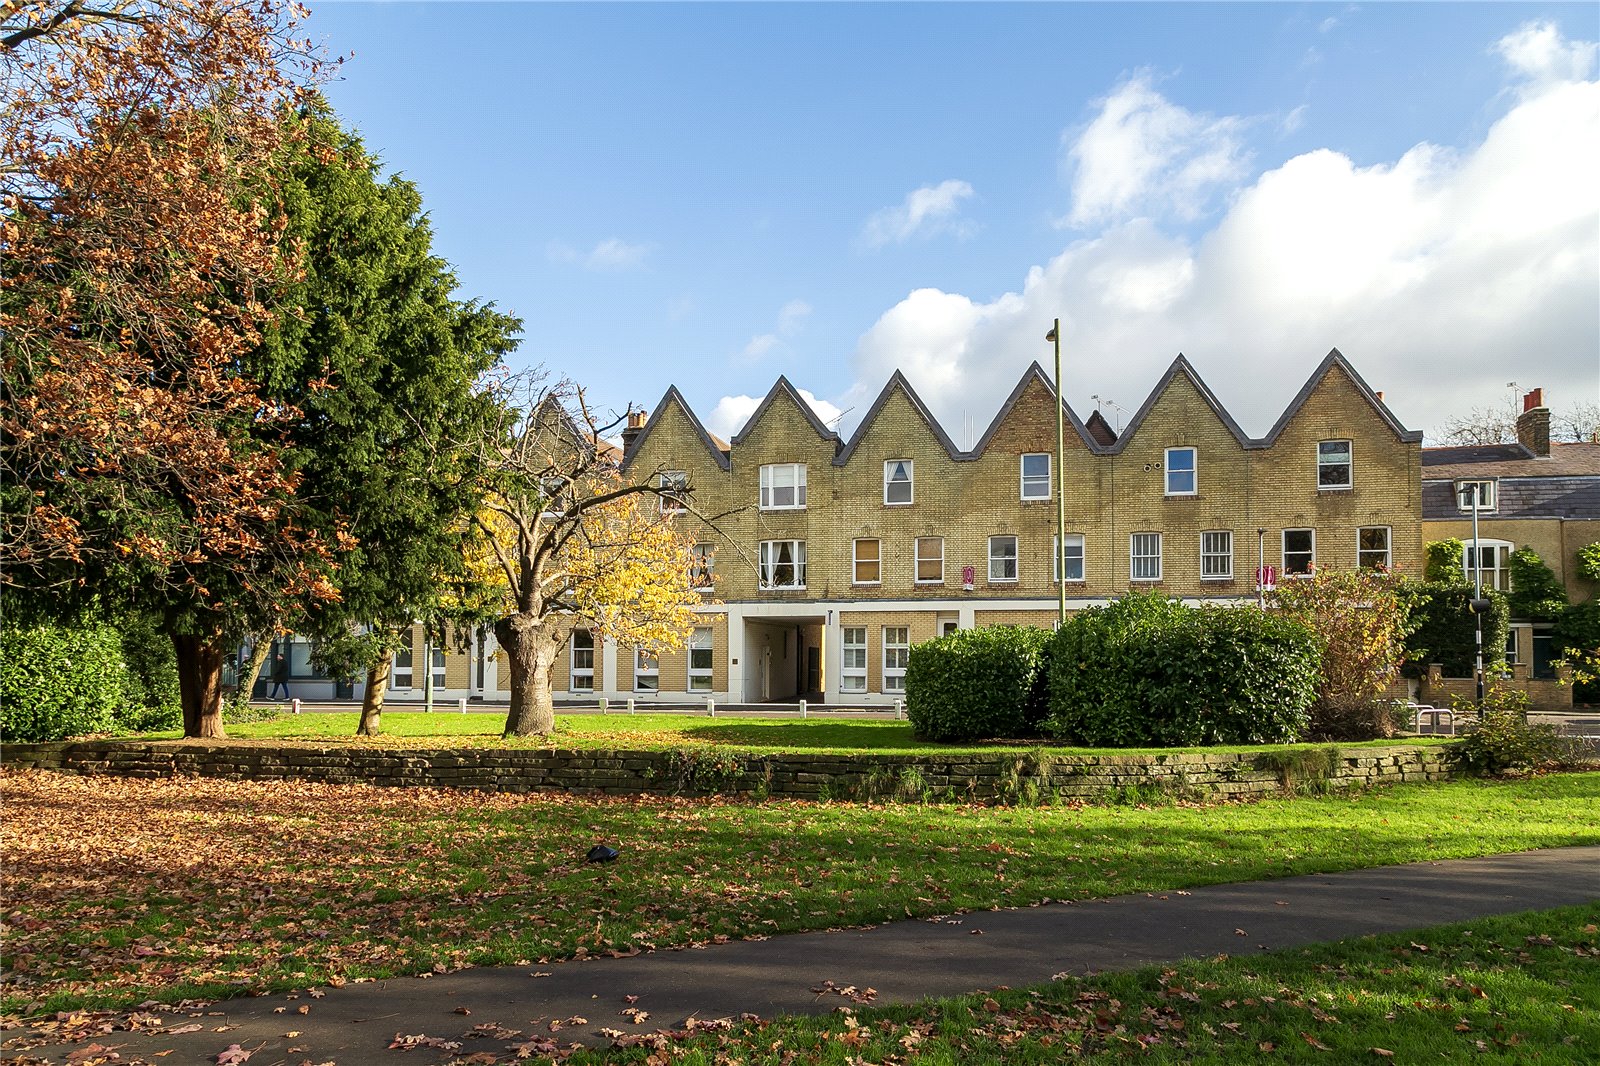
[[372, 701], [531, 648], [260, 648], [200, 683]]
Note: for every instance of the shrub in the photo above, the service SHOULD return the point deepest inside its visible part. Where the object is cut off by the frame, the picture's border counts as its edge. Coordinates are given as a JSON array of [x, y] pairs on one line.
[[59, 681], [1443, 630], [1536, 592], [1363, 622], [1446, 561], [152, 696], [1589, 561], [1502, 741], [1147, 670], [977, 683], [1577, 641]]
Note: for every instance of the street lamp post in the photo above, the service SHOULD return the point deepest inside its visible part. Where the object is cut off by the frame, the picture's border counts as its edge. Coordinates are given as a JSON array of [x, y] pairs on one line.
[[1477, 589], [1054, 336]]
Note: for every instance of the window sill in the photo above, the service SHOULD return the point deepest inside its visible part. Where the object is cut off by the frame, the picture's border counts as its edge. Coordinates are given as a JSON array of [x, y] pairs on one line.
[[929, 584], [1180, 495], [865, 584], [1219, 579], [1335, 488], [795, 507], [904, 503]]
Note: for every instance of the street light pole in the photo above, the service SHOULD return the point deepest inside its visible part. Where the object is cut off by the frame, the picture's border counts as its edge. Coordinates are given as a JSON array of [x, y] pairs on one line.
[[1054, 336], [1477, 588]]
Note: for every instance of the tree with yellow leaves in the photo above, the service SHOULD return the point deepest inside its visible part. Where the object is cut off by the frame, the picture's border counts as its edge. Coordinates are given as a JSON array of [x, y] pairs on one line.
[[566, 539]]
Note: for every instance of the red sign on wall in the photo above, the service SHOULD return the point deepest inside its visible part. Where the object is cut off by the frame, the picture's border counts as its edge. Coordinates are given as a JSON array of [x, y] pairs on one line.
[[968, 576], [1267, 578]]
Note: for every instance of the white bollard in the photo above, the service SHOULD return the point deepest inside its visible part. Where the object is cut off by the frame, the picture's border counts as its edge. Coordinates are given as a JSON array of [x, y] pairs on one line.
[[604, 703], [294, 705], [802, 708], [461, 705], [630, 704], [899, 707], [711, 707]]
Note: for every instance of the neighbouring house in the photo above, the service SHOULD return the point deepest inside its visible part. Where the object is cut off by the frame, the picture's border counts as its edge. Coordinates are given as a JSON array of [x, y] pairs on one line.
[[1534, 493]]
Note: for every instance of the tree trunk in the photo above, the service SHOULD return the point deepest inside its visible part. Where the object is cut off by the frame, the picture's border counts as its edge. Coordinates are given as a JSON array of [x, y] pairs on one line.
[[372, 701], [200, 683], [531, 648], [260, 648]]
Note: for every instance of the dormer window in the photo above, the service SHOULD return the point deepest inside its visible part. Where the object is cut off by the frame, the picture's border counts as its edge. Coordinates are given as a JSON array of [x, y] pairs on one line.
[[783, 487], [897, 486], [1483, 492]]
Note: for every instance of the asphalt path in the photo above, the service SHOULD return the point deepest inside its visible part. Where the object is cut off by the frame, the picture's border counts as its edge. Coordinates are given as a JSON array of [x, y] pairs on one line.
[[903, 961]]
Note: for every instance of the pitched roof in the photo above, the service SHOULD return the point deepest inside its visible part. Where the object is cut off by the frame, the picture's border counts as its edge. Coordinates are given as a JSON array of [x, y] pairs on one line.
[[1180, 366], [1098, 428], [1334, 359], [898, 381], [1521, 497], [1035, 372], [1510, 460], [720, 454], [781, 387]]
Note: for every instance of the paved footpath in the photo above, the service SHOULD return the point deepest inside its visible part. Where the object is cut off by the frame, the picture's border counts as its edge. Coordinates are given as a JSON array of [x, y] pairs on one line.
[[905, 961]]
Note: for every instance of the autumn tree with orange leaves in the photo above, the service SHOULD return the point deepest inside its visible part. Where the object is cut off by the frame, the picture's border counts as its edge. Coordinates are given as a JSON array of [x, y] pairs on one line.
[[567, 539], [142, 256]]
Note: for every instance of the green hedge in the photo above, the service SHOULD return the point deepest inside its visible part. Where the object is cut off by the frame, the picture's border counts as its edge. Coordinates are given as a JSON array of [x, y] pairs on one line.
[[152, 696], [978, 683], [1445, 630], [57, 682], [1147, 671]]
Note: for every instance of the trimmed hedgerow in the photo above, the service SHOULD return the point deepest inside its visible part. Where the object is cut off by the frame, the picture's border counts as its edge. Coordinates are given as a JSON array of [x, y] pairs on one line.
[[57, 682], [1147, 671], [978, 684], [1445, 631]]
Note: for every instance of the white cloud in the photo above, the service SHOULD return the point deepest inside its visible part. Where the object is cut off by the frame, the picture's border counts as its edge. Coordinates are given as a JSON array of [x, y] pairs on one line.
[[1441, 275], [1293, 120], [732, 412], [1144, 155], [791, 316], [927, 211], [609, 254], [1538, 54]]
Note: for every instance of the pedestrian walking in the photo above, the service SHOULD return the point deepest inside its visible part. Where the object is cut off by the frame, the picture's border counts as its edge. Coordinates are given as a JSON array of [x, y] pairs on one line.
[[280, 677]]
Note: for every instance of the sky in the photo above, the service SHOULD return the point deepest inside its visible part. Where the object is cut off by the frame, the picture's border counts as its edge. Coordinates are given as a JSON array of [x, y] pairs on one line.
[[711, 195]]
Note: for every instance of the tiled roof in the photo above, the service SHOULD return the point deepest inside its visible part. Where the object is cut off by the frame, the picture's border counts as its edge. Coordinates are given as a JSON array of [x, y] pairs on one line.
[[1521, 497], [1510, 460]]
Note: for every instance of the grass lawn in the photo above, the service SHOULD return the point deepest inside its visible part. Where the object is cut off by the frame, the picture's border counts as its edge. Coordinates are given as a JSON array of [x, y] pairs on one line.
[[656, 732], [117, 890], [1524, 988]]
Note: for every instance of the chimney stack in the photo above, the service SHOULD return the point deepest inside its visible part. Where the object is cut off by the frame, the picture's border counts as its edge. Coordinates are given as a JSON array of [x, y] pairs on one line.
[[635, 426], [1533, 424]]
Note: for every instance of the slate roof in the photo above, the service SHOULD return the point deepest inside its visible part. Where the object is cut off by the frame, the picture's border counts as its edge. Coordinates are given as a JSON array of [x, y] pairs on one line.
[[1521, 497], [1510, 460]]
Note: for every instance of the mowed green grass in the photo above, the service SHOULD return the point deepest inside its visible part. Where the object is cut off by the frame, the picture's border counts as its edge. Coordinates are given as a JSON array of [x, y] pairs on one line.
[[119, 890], [1518, 989], [657, 732]]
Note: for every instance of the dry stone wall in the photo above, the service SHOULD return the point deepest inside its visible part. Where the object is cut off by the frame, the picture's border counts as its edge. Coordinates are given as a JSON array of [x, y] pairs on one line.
[[983, 777]]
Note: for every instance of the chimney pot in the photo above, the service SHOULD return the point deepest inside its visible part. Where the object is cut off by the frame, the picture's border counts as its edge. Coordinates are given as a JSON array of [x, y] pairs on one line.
[[1533, 399], [635, 426], [1533, 425]]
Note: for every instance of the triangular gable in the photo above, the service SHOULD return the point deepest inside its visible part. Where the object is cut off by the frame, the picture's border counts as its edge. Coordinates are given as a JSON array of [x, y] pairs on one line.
[[782, 388], [1098, 428], [1180, 366], [1336, 359], [898, 381], [1035, 372], [674, 396]]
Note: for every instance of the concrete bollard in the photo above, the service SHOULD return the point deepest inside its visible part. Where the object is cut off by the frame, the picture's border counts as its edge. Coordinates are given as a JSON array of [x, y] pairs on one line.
[[802, 708], [294, 705], [461, 705], [711, 707], [899, 707], [604, 704], [630, 704]]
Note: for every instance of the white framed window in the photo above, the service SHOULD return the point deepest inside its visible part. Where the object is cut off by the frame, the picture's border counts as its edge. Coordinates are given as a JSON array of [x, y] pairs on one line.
[[1144, 557], [1180, 468], [930, 560], [1036, 476], [867, 562], [1002, 558], [400, 673], [898, 489], [1513, 645], [438, 668], [700, 648], [896, 654], [1496, 562], [853, 660], [782, 564], [1216, 555], [1372, 547], [1483, 490], [1333, 464], [701, 558], [646, 671], [580, 673], [783, 487], [1069, 559], [674, 486], [1299, 551]]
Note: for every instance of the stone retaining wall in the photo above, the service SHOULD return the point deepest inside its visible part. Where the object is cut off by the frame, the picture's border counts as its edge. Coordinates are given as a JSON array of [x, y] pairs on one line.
[[992, 777]]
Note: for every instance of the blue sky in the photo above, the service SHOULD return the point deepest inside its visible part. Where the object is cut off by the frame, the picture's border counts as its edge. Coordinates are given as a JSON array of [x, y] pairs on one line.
[[710, 195]]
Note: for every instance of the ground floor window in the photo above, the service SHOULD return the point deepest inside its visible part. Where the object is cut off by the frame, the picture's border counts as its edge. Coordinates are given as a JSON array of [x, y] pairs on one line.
[[581, 675], [1372, 547], [1144, 557], [1299, 550], [700, 660], [1070, 558], [853, 660], [896, 654], [1216, 555], [400, 671], [646, 671]]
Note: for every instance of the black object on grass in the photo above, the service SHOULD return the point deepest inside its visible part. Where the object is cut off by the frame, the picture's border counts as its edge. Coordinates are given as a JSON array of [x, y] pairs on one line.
[[601, 853]]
